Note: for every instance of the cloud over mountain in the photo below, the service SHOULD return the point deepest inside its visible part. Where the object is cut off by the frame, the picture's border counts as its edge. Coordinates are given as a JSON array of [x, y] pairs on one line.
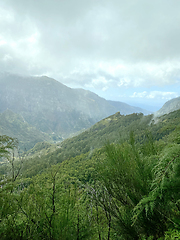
[[93, 44]]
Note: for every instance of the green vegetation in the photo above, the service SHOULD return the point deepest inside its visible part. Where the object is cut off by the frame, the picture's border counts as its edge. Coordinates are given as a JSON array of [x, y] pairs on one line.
[[15, 126], [119, 179]]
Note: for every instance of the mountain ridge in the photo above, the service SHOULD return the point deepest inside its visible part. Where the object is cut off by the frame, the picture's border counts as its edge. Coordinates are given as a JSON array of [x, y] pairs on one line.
[[128, 109], [52, 107], [169, 106]]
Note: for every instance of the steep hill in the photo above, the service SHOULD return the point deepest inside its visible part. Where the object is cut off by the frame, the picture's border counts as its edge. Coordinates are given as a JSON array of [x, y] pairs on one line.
[[169, 106], [52, 107], [114, 129]]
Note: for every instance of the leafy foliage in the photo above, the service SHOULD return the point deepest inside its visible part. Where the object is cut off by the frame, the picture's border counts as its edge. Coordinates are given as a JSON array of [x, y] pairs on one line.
[[89, 188]]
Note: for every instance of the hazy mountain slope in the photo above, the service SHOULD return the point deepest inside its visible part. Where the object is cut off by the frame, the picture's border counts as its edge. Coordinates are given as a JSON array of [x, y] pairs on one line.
[[169, 106], [51, 106], [14, 125], [125, 108]]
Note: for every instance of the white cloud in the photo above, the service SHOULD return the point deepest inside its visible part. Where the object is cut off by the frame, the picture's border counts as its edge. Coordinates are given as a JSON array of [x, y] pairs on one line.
[[100, 80], [2, 41], [155, 95], [125, 75], [97, 44]]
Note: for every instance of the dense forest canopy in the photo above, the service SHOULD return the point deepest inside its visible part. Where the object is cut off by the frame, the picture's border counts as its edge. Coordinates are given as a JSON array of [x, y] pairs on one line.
[[120, 179]]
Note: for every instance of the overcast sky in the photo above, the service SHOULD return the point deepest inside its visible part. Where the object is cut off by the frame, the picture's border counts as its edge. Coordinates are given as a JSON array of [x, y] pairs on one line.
[[122, 50]]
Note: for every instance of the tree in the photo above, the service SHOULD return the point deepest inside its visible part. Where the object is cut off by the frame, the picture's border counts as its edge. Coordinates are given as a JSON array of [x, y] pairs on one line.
[[162, 203], [7, 144], [9, 208], [126, 176]]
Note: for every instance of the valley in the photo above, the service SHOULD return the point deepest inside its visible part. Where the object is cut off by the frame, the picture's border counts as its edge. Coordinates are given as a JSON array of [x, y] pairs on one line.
[[52, 109], [111, 175]]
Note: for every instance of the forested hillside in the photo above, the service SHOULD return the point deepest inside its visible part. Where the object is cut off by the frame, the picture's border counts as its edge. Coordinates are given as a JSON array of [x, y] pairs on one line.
[[120, 179]]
